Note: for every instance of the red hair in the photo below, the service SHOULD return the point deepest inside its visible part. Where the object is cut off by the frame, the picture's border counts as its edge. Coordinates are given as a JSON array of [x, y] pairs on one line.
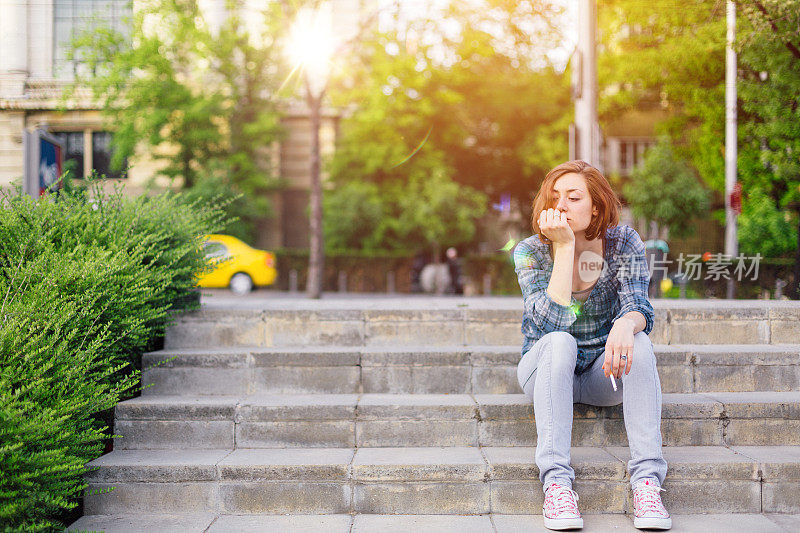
[[603, 198]]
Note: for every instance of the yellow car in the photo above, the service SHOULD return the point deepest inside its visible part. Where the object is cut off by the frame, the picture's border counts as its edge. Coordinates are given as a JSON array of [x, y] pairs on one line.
[[238, 266]]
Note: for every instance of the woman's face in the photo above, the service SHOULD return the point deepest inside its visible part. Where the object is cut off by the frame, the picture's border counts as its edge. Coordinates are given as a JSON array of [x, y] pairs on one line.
[[571, 196]]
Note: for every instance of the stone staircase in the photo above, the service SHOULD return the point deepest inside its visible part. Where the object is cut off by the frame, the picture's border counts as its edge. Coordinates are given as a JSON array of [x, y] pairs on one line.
[[340, 413]]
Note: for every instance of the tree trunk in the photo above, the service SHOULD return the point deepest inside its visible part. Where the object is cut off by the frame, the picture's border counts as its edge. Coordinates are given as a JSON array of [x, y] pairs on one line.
[[316, 259], [188, 177]]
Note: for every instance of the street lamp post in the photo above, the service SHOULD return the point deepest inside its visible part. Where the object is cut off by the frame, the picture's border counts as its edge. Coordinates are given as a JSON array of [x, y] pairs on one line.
[[316, 258], [310, 45], [585, 134]]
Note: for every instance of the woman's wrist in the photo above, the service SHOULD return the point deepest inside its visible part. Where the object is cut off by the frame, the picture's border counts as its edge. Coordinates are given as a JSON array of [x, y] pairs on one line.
[[630, 322], [557, 245]]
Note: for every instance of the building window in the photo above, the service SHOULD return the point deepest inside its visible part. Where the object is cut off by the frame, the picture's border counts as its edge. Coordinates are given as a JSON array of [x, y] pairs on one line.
[[631, 154], [101, 156], [623, 156], [78, 159], [73, 152], [73, 17]]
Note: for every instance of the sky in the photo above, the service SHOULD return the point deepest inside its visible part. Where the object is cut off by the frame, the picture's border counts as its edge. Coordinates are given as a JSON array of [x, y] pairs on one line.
[[414, 8]]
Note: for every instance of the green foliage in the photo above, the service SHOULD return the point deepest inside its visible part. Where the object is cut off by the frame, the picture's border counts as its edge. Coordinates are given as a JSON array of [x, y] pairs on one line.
[[402, 215], [433, 209], [675, 292], [665, 189], [200, 101], [392, 133], [764, 229], [769, 55], [769, 66], [482, 107], [87, 283], [242, 213], [354, 215], [660, 57]]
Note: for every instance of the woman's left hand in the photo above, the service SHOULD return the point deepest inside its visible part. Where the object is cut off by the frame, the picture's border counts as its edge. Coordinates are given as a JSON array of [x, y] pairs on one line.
[[619, 343]]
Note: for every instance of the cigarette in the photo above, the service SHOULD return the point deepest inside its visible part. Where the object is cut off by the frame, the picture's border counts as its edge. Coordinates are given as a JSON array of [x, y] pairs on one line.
[[613, 383]]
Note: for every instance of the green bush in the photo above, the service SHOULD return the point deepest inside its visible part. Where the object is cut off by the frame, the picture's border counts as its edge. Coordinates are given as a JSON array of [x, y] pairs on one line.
[[765, 229], [675, 292], [664, 188], [402, 214], [87, 283]]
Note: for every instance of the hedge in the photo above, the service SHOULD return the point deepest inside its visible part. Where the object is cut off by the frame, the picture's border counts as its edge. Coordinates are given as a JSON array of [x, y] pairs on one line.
[[88, 282]]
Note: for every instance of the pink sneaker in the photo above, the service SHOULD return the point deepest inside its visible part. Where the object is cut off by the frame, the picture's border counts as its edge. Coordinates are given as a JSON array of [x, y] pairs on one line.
[[648, 511], [560, 508]]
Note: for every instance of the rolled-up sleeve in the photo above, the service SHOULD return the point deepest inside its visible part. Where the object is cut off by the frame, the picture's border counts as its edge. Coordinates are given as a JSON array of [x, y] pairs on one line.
[[634, 279], [547, 314]]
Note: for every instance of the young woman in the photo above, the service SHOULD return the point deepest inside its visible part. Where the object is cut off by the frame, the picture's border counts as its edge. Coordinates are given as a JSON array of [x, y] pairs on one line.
[[584, 281]]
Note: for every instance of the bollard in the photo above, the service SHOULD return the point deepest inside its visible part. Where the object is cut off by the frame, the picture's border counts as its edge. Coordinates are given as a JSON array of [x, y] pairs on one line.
[[682, 285], [390, 282], [487, 284], [442, 278], [293, 280], [779, 285], [682, 281], [342, 281]]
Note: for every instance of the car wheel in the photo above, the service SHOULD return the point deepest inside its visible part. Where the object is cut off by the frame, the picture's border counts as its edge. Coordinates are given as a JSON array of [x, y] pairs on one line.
[[241, 283]]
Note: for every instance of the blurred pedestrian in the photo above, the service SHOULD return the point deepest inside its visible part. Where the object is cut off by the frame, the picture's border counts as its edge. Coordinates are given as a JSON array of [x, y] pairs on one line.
[[454, 266], [417, 264]]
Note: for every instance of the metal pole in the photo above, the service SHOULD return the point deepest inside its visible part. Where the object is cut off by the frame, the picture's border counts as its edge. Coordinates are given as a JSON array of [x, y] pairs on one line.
[[586, 125], [731, 243]]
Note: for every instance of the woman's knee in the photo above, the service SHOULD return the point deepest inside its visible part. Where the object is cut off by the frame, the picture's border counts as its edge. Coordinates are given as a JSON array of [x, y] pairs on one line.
[[561, 349], [557, 338], [643, 351]]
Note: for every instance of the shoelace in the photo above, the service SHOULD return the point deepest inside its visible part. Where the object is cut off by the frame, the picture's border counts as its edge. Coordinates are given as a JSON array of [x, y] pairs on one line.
[[564, 499], [649, 499]]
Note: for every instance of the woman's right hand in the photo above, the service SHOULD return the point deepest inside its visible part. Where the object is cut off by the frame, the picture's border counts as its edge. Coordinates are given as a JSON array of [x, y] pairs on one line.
[[553, 224]]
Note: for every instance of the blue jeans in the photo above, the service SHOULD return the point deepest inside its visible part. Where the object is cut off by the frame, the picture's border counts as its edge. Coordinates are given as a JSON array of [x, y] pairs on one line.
[[546, 374]]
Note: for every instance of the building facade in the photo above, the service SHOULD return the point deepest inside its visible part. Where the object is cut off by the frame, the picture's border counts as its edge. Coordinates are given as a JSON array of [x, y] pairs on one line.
[[35, 67]]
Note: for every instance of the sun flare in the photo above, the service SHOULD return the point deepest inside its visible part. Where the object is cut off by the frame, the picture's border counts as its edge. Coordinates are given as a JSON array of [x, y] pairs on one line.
[[311, 42]]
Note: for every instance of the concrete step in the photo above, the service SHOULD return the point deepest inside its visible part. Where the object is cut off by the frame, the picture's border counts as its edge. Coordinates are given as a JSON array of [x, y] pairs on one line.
[[444, 370], [407, 480], [460, 321], [368, 523], [343, 420]]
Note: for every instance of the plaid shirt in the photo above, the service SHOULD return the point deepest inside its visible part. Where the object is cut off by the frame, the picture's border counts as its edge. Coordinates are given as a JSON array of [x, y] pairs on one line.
[[621, 288]]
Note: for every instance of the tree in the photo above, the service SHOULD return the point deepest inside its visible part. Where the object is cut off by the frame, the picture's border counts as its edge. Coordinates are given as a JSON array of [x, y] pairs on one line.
[[769, 52], [664, 189], [672, 57], [764, 229], [669, 56], [508, 127], [355, 214], [427, 208], [481, 106], [202, 102]]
